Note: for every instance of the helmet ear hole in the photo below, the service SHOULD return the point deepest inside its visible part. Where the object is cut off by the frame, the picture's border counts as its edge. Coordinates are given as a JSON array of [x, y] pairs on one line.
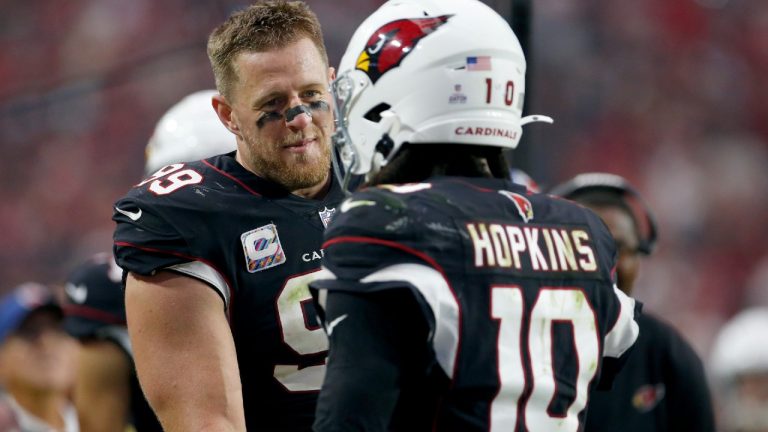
[[385, 145], [374, 114]]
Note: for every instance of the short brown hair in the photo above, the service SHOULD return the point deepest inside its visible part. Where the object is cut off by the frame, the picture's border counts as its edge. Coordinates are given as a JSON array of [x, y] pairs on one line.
[[263, 26]]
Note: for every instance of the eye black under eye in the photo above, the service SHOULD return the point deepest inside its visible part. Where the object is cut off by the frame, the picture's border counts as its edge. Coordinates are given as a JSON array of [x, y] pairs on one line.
[[268, 117]]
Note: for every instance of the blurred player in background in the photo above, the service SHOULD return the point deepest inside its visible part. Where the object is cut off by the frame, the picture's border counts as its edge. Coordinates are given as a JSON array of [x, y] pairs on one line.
[[522, 178], [455, 299], [107, 393], [739, 369], [663, 386], [37, 363], [218, 253]]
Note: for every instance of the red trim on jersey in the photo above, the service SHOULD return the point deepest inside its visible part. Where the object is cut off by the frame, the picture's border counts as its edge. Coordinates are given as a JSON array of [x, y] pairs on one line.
[[192, 258], [470, 185], [423, 256], [92, 314], [229, 176], [388, 243]]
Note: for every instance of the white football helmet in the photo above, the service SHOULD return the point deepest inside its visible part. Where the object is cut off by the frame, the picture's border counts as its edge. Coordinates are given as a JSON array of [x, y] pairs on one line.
[[739, 369], [428, 71], [741, 346], [188, 131]]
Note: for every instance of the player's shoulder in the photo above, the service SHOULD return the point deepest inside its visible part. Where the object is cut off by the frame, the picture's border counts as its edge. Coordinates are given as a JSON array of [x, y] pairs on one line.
[[99, 268], [197, 187], [660, 330], [378, 207], [94, 296], [668, 343], [178, 181], [561, 211]]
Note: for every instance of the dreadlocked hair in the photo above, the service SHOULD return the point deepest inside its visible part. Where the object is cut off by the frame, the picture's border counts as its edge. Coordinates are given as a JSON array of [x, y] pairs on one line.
[[416, 163]]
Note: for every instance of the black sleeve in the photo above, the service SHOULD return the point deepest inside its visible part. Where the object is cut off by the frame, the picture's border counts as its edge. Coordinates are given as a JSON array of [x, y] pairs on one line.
[[372, 339], [689, 397]]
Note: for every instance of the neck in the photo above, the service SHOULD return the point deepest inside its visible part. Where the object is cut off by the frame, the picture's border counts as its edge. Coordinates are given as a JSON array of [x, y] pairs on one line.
[[45, 405], [317, 191]]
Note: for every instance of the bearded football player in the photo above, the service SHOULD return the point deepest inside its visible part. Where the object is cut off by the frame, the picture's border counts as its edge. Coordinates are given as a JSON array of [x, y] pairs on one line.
[[219, 252], [454, 299]]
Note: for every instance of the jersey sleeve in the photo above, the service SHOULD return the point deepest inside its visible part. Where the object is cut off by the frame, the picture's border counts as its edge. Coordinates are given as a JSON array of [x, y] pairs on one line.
[[149, 242], [375, 341], [150, 237]]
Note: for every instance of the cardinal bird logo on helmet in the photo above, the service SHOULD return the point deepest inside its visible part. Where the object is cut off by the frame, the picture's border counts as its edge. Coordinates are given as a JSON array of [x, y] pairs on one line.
[[392, 42]]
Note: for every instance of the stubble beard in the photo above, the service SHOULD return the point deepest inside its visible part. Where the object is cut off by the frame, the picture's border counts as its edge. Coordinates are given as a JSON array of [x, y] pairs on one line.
[[301, 171]]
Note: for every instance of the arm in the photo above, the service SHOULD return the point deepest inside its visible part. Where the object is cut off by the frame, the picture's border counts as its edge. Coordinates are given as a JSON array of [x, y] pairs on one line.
[[102, 389], [374, 340], [184, 353], [620, 340]]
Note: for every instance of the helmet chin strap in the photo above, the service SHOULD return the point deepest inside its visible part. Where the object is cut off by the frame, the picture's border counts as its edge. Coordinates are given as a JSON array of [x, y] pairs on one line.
[[385, 148]]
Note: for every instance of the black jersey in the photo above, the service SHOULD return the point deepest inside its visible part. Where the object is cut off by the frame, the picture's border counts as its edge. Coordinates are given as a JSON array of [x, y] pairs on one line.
[[258, 246], [517, 289], [662, 387], [95, 307], [95, 310]]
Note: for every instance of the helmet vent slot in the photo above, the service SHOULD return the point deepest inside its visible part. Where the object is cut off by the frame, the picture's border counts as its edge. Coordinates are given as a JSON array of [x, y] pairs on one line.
[[374, 114]]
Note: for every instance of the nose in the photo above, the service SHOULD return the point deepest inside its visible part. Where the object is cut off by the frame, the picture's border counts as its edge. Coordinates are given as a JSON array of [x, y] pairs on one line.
[[298, 117]]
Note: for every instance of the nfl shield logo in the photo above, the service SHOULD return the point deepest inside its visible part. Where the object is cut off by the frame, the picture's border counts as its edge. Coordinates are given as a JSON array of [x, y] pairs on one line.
[[262, 248], [326, 214]]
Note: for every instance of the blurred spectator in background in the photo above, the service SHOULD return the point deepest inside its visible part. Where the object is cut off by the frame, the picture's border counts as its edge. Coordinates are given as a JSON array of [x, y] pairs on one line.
[[739, 370], [37, 363], [663, 386], [107, 393]]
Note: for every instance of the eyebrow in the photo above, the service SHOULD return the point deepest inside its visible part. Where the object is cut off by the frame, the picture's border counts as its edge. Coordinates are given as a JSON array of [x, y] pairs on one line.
[[274, 94], [264, 99]]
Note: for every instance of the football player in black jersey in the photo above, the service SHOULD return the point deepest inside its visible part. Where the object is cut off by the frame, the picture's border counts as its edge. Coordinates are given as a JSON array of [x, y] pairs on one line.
[[107, 392], [218, 253], [663, 386], [454, 299]]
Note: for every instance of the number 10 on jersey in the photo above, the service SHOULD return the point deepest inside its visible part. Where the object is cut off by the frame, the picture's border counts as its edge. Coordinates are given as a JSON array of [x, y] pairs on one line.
[[553, 305]]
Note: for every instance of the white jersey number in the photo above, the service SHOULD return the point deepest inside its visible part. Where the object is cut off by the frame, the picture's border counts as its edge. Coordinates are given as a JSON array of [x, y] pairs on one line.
[[299, 335], [554, 305], [174, 179]]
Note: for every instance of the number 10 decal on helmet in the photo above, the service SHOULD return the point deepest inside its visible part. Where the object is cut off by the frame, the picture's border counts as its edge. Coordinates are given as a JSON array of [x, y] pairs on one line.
[[434, 78]]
